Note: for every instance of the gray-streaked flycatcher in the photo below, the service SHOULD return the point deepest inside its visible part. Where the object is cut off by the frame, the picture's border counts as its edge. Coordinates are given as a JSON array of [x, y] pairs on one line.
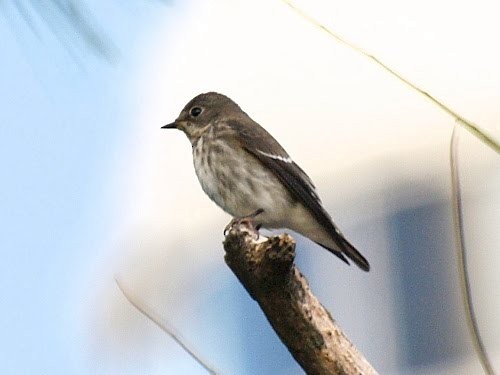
[[243, 169]]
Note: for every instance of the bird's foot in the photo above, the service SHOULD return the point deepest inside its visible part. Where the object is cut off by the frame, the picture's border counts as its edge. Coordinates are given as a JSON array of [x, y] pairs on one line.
[[247, 220]]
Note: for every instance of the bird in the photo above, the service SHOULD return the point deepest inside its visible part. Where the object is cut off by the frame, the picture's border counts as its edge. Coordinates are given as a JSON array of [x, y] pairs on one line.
[[247, 173]]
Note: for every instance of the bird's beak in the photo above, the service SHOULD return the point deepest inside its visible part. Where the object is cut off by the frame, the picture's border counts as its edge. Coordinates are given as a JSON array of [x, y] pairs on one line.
[[173, 125]]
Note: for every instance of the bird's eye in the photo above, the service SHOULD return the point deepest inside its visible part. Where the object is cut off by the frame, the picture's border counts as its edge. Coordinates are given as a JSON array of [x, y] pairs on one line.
[[195, 111]]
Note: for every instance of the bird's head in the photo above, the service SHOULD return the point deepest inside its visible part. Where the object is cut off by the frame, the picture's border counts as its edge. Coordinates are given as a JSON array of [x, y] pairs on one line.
[[202, 112]]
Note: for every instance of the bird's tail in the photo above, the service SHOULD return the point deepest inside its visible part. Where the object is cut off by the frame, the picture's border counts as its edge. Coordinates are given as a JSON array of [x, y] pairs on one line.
[[346, 249], [354, 255]]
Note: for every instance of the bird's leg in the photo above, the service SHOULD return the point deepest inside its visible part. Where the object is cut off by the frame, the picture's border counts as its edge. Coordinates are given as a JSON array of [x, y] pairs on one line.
[[245, 220]]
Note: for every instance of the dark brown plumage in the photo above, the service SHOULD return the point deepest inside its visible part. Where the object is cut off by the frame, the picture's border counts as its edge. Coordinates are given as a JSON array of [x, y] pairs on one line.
[[229, 146]]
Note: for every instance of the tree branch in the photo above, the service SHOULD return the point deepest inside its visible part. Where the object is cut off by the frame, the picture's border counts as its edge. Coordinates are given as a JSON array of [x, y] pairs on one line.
[[265, 268], [162, 324]]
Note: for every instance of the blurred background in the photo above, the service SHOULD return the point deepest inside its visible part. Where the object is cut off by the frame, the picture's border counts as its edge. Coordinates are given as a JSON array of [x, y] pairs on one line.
[[92, 189]]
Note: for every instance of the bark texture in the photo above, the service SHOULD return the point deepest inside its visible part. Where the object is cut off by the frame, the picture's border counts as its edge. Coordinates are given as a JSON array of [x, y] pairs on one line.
[[265, 268]]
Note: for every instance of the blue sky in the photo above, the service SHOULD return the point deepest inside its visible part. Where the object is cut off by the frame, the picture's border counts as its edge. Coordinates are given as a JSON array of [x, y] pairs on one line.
[[64, 112]]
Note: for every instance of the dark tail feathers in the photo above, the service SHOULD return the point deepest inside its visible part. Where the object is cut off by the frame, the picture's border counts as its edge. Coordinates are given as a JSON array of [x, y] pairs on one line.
[[351, 252], [355, 255]]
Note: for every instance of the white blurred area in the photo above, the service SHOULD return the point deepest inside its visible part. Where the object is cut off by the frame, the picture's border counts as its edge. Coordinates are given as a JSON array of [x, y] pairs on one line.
[[377, 151]]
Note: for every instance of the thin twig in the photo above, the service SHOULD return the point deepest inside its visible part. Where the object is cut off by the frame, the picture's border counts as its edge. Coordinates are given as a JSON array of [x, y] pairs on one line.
[[462, 256], [469, 125], [158, 320]]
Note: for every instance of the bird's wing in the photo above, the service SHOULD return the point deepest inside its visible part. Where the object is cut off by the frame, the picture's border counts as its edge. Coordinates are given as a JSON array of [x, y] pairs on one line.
[[258, 142]]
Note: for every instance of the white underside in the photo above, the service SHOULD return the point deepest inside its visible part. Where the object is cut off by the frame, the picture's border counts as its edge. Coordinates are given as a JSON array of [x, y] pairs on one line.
[[280, 211]]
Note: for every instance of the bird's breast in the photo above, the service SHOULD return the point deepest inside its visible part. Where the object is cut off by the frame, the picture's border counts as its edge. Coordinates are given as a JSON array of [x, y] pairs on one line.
[[203, 160], [238, 183]]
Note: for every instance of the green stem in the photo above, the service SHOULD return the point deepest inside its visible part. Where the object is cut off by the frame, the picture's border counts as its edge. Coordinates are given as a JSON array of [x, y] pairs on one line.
[[469, 125]]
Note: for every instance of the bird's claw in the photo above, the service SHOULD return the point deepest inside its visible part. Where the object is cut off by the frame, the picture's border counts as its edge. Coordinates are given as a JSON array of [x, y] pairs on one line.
[[245, 220]]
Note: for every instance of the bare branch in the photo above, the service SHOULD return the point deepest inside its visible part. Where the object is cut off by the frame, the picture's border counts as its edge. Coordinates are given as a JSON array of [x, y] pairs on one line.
[[462, 256], [469, 125], [266, 270], [159, 321]]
